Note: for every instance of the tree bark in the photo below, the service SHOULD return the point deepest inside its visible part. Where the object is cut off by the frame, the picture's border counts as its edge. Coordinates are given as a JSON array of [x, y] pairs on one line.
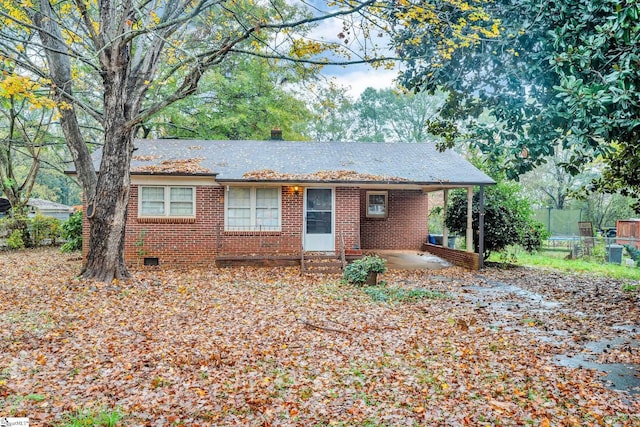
[[105, 260], [107, 213]]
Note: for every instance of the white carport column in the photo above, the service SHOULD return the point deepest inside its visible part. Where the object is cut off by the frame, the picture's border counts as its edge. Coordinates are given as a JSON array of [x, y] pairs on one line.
[[445, 230], [469, 219]]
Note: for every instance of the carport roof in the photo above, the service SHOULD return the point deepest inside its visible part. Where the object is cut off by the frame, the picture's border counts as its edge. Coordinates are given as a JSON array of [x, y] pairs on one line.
[[292, 161]]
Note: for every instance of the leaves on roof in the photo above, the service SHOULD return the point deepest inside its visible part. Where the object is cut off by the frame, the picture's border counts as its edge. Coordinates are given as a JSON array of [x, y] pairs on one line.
[[187, 166], [145, 158], [322, 175]]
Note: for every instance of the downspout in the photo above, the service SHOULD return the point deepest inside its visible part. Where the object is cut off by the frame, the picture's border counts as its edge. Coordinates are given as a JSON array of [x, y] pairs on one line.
[[481, 228], [469, 219], [445, 230]]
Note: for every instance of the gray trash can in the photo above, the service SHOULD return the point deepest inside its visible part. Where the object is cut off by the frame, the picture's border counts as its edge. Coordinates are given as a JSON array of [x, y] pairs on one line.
[[614, 254]]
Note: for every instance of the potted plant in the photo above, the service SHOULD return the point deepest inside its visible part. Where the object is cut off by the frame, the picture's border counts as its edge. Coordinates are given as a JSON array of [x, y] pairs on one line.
[[365, 270], [355, 251]]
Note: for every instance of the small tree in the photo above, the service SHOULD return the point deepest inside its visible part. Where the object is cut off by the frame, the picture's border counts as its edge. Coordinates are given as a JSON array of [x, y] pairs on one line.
[[508, 219]]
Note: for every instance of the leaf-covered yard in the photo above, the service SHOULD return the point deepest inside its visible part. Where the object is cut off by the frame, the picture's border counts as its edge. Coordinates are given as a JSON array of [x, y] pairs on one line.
[[252, 346]]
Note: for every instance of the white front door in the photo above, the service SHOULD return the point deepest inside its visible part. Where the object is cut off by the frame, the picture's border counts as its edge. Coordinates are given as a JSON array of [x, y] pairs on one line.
[[318, 220]]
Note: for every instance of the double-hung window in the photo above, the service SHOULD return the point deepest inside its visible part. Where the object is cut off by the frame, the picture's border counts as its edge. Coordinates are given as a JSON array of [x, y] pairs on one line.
[[252, 209], [167, 201]]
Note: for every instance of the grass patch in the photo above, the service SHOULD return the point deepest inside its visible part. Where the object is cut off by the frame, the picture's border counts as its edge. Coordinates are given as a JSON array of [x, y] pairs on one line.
[[393, 294], [93, 418], [574, 265]]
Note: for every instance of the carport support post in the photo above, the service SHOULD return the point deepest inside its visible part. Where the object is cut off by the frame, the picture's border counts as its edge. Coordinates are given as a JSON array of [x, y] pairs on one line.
[[481, 228], [469, 219], [445, 230]]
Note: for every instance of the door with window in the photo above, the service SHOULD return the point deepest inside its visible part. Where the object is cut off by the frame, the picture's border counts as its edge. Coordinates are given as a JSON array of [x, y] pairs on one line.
[[319, 220]]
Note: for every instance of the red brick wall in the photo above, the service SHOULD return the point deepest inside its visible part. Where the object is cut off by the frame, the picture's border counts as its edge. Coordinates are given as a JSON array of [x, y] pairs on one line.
[[198, 241], [176, 242], [405, 227], [348, 217]]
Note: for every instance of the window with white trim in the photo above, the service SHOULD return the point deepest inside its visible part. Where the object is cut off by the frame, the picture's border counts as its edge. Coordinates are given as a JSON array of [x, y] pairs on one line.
[[252, 209], [167, 201], [377, 204]]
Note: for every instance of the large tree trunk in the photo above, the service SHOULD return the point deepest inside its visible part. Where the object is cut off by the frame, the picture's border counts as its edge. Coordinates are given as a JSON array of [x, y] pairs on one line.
[[105, 260], [107, 211]]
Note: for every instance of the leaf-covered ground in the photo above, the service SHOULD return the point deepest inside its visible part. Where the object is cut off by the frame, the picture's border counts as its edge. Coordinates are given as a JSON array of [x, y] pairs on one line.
[[256, 346]]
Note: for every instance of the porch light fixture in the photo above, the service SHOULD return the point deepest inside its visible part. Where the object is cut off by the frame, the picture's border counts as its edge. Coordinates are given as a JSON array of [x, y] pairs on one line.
[[296, 190]]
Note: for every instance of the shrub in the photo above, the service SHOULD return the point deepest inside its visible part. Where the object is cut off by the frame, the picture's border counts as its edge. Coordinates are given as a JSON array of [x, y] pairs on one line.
[[72, 232], [634, 253], [508, 219], [358, 271], [392, 295], [44, 227], [16, 228], [531, 237], [15, 240]]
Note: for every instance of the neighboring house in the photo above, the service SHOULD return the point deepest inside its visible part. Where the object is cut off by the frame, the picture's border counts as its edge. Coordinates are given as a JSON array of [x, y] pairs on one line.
[[41, 206], [49, 208], [200, 202]]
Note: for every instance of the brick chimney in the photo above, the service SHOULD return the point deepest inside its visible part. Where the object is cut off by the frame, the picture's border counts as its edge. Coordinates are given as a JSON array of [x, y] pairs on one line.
[[276, 134]]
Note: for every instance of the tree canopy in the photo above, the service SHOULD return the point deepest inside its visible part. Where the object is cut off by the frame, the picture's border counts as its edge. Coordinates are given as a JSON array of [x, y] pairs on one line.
[[560, 74]]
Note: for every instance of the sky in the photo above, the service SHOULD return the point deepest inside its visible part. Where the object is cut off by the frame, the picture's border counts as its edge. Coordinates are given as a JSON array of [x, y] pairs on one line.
[[355, 77], [358, 78]]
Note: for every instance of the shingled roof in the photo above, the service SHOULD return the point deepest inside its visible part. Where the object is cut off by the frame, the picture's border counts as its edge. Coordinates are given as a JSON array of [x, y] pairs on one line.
[[287, 161]]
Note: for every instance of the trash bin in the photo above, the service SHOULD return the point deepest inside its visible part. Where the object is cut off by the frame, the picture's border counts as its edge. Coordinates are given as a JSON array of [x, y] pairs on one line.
[[435, 239], [614, 254]]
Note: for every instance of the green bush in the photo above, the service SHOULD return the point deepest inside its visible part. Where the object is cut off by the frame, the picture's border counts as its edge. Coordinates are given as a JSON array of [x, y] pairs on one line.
[[44, 227], [508, 219], [533, 235], [392, 295], [16, 228], [634, 253], [72, 232], [15, 240], [358, 271]]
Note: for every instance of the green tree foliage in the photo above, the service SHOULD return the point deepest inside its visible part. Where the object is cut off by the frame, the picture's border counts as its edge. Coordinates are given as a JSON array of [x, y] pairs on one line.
[[562, 74], [244, 99], [508, 218], [378, 115], [26, 119], [333, 113], [395, 116]]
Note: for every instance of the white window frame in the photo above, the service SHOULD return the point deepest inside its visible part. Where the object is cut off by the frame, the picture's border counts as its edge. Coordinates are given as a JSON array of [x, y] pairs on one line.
[[167, 201], [253, 208], [384, 214]]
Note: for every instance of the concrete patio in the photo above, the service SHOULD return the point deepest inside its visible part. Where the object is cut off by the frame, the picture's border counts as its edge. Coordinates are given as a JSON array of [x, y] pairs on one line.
[[412, 260]]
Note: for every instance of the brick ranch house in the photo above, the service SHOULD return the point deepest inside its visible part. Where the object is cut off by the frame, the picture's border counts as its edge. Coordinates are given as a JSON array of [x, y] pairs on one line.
[[219, 202]]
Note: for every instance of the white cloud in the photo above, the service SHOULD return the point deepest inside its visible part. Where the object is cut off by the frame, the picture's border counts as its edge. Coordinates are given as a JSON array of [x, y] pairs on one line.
[[357, 79]]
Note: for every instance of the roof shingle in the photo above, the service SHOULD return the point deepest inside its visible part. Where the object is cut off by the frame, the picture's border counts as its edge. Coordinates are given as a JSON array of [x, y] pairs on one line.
[[311, 161]]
